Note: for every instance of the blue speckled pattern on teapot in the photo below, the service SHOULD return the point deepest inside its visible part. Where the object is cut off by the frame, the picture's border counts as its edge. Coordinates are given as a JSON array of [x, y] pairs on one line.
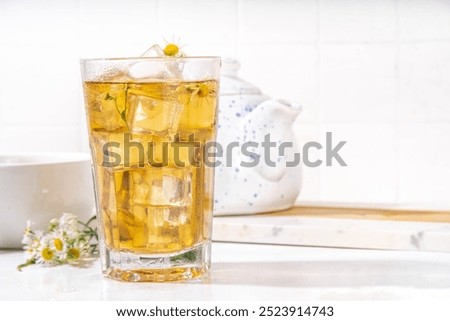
[[245, 115]]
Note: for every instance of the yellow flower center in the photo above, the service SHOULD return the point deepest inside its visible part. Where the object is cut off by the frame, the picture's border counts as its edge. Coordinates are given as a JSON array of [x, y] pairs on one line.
[[74, 253], [203, 90], [47, 254], [171, 50], [58, 244]]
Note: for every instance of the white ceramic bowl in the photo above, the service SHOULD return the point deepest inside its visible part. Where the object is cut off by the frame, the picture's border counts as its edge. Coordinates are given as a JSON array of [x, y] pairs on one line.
[[39, 187]]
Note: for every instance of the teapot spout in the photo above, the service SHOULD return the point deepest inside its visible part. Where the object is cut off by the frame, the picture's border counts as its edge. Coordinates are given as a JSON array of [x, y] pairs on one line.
[[291, 108], [273, 115], [273, 118]]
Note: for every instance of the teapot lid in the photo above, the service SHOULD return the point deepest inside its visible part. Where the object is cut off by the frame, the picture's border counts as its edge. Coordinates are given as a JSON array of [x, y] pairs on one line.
[[230, 83]]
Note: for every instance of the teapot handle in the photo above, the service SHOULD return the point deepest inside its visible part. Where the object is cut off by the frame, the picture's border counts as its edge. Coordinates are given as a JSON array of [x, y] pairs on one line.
[[273, 117]]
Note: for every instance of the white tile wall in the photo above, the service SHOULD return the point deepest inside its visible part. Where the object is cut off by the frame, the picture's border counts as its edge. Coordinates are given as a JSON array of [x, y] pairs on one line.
[[424, 81], [424, 20], [358, 82], [278, 22], [357, 21], [311, 177], [370, 153], [40, 85], [292, 75], [116, 28], [424, 174], [199, 21], [376, 73], [39, 22]]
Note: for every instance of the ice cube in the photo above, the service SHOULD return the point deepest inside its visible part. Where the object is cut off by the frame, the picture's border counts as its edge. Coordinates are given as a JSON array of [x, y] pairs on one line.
[[140, 227], [141, 188], [104, 109], [124, 189], [159, 231], [115, 74], [157, 225], [169, 68], [168, 190], [119, 150], [178, 215], [154, 114], [154, 70], [150, 69], [107, 204], [154, 51], [163, 186], [106, 189]]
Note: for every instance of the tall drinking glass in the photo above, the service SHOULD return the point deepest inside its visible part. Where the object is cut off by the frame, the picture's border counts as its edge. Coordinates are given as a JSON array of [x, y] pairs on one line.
[[150, 121]]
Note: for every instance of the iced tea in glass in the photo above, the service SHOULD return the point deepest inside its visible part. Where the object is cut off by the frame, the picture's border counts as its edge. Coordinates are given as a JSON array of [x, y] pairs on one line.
[[149, 120]]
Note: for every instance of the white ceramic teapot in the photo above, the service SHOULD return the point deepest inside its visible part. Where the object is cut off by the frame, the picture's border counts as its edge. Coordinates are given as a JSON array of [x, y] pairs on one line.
[[246, 115]]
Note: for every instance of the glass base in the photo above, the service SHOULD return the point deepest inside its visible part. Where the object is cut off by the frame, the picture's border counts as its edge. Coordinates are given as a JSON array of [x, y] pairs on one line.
[[191, 264]]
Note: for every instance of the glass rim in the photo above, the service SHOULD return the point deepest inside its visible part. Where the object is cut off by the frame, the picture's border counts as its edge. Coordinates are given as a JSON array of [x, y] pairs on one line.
[[125, 59]]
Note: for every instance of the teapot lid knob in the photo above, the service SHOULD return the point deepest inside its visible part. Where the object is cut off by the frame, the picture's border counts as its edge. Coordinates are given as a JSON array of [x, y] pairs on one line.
[[230, 83]]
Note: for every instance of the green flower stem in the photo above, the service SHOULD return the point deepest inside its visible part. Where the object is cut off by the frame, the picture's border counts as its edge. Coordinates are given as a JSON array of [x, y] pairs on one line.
[[27, 263]]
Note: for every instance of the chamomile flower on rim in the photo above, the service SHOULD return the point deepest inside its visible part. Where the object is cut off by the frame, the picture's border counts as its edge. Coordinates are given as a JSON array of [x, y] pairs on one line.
[[173, 48], [168, 49]]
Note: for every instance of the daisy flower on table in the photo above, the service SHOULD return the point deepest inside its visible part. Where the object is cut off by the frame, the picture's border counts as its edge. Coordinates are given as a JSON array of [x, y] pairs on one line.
[[31, 241], [45, 254], [66, 240], [69, 225], [57, 242], [78, 250]]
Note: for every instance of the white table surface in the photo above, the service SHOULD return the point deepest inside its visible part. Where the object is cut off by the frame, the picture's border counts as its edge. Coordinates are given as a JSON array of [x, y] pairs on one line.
[[249, 272]]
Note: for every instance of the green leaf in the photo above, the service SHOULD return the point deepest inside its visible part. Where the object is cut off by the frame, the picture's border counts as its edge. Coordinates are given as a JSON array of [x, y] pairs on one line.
[[123, 115], [190, 256]]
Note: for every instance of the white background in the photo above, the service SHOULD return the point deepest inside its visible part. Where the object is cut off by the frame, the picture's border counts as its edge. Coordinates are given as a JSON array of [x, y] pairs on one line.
[[375, 73]]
